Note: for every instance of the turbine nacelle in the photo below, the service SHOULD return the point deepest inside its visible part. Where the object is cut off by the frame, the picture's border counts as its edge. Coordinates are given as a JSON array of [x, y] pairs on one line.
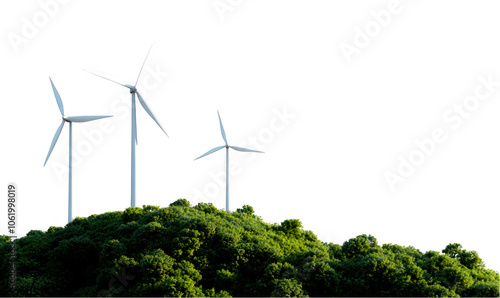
[[133, 89]]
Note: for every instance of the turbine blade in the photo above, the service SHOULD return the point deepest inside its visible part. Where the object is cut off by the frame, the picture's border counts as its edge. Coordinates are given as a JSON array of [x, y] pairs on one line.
[[137, 81], [54, 141], [58, 98], [145, 106], [222, 129], [134, 119], [244, 149], [212, 151], [84, 118], [126, 86]]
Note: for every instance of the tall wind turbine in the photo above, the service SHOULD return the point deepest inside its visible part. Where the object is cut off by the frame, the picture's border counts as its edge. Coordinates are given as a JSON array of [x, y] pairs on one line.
[[133, 92], [227, 157], [70, 120]]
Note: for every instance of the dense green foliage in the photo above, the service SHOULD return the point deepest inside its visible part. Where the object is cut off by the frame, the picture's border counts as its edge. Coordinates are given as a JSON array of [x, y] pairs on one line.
[[203, 251]]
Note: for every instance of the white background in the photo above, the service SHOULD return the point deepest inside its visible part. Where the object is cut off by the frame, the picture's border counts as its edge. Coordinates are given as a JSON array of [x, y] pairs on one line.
[[348, 122]]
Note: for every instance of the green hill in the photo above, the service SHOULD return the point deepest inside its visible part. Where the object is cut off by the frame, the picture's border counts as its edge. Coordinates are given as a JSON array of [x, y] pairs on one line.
[[203, 251]]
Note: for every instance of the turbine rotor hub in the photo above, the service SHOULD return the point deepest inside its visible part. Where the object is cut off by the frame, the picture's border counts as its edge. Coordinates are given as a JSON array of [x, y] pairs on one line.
[[133, 90]]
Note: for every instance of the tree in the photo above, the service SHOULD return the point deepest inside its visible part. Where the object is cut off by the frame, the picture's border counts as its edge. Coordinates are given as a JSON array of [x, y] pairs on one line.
[[288, 288], [469, 259], [291, 226], [360, 245], [246, 209], [181, 203], [452, 250]]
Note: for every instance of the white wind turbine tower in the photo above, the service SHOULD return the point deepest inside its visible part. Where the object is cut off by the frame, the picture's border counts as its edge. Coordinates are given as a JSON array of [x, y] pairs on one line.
[[227, 157], [70, 120], [133, 92]]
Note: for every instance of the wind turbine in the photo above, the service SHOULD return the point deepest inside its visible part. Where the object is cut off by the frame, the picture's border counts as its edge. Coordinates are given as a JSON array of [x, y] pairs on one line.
[[133, 92], [70, 120], [227, 157]]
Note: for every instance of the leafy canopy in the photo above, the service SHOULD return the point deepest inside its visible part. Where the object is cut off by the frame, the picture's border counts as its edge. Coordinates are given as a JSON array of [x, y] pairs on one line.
[[202, 251]]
